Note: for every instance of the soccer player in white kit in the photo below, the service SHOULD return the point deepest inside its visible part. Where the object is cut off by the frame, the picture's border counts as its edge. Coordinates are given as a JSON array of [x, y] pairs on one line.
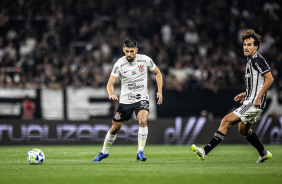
[[132, 69], [258, 80]]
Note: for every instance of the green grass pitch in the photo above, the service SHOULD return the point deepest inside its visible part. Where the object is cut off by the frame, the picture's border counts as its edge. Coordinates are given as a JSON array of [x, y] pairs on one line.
[[166, 164]]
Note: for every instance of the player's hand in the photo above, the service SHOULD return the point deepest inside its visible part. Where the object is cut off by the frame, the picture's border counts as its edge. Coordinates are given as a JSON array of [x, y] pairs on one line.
[[258, 102], [160, 98], [241, 97], [113, 97]]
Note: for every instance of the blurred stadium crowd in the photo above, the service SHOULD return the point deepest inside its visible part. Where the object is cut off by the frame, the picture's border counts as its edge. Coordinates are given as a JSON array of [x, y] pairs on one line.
[[196, 44]]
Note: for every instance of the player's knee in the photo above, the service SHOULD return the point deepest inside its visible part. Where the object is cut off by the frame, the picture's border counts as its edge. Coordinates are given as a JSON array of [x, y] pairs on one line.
[[143, 122], [225, 123], [243, 131], [115, 129]]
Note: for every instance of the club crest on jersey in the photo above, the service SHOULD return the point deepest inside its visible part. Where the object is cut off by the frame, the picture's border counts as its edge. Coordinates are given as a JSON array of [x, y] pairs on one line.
[[141, 68], [118, 116]]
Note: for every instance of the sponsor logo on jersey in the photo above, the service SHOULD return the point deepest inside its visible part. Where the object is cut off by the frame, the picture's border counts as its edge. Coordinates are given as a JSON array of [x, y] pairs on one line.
[[138, 96], [134, 86], [137, 80], [118, 116], [141, 68], [141, 61], [133, 97]]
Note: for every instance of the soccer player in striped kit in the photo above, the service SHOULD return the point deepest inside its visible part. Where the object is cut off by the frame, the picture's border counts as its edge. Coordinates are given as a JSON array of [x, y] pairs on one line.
[[258, 80]]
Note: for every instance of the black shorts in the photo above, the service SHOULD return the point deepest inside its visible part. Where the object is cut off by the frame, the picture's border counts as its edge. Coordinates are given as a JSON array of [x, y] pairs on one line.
[[124, 111]]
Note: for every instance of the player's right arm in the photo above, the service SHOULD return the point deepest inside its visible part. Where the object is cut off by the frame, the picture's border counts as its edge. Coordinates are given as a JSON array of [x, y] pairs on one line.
[[110, 87], [241, 97]]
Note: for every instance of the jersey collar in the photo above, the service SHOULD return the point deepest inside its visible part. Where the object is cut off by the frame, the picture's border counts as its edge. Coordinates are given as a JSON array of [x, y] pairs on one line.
[[253, 56]]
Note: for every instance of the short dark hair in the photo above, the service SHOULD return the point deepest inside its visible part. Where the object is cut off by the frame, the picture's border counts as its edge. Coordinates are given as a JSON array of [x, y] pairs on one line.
[[130, 43], [249, 33]]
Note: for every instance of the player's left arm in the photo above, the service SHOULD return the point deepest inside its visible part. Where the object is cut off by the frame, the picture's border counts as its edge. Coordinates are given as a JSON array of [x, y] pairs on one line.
[[159, 79], [268, 80]]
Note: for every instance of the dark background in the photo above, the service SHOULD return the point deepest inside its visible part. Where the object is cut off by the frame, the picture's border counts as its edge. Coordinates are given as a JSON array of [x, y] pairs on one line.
[[196, 45]]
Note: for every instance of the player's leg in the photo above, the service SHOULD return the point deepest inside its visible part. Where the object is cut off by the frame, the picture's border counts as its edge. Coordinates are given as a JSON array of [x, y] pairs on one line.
[[218, 136], [142, 134], [143, 129], [122, 114], [248, 117], [111, 136], [228, 121], [109, 140], [252, 138], [142, 112]]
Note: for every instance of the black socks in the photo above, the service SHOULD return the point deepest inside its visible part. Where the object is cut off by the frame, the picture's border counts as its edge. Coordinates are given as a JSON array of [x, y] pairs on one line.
[[254, 140], [216, 139]]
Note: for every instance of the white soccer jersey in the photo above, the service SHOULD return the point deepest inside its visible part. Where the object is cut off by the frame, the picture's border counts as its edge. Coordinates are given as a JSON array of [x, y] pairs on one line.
[[255, 69], [133, 76]]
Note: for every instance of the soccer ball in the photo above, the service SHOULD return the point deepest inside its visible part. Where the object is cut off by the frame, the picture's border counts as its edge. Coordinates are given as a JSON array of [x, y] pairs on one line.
[[35, 156]]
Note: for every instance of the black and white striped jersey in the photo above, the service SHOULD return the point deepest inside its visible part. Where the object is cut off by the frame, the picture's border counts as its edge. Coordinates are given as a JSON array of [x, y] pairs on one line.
[[255, 69]]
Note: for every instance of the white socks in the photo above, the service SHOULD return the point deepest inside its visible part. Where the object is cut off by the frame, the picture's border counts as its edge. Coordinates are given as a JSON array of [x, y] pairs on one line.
[[142, 137], [109, 139]]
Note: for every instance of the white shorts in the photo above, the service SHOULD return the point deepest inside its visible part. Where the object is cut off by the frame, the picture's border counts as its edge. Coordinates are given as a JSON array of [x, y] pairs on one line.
[[247, 112]]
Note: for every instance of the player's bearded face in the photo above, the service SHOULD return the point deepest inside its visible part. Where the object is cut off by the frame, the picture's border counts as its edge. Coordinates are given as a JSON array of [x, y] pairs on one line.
[[130, 53], [249, 47]]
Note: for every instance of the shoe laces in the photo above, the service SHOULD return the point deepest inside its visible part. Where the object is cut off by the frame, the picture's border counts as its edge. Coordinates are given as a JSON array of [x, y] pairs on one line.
[[141, 153], [101, 155]]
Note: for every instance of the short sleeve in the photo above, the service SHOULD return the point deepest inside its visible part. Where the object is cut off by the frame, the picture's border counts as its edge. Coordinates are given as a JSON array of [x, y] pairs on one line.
[[151, 65], [115, 70], [260, 65]]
